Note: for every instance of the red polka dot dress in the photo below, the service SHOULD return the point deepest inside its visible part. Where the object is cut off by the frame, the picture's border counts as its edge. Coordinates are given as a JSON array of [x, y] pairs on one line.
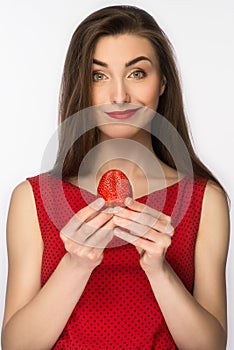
[[118, 309]]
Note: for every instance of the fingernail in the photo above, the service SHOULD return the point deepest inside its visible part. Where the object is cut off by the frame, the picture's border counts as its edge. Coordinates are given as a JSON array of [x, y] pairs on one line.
[[97, 204], [116, 219], [117, 232], [128, 200], [116, 210], [109, 210], [64, 238], [170, 230]]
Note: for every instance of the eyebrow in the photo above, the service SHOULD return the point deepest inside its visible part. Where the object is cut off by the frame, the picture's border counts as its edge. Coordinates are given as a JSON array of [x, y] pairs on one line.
[[130, 63]]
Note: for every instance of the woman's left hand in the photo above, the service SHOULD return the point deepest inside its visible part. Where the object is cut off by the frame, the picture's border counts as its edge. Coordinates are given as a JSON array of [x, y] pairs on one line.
[[149, 230]]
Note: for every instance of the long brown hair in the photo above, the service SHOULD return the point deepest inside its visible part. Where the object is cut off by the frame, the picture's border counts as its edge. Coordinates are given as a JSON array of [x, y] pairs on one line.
[[76, 86]]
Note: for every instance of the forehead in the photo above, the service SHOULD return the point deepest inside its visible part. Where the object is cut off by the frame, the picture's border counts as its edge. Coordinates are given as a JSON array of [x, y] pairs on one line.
[[123, 47]]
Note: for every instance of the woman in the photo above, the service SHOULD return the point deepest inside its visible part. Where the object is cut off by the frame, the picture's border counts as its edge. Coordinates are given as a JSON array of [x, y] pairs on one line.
[[72, 284]]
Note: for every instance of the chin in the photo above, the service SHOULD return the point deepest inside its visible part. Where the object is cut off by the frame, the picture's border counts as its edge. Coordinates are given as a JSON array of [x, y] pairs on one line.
[[118, 131]]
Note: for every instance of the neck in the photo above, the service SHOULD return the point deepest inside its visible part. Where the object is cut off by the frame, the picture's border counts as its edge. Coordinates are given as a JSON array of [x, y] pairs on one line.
[[135, 157]]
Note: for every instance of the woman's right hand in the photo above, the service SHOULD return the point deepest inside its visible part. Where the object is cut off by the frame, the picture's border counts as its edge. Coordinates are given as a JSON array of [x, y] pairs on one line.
[[87, 233]]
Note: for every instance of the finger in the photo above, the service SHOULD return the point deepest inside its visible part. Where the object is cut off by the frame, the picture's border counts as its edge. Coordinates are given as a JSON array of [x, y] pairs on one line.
[[135, 228], [98, 221], [140, 207], [101, 237], [92, 209], [165, 227], [151, 247], [81, 250], [64, 238], [141, 229], [140, 217], [87, 229], [82, 216], [138, 242], [148, 216]]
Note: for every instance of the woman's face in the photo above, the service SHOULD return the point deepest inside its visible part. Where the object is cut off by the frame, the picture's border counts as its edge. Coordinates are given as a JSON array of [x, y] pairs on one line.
[[125, 71]]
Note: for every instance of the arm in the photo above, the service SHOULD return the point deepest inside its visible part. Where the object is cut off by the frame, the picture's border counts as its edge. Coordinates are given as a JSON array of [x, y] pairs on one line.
[[198, 321], [34, 316]]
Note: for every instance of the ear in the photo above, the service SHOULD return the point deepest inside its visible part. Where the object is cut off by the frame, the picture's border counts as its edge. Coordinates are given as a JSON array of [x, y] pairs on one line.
[[163, 85]]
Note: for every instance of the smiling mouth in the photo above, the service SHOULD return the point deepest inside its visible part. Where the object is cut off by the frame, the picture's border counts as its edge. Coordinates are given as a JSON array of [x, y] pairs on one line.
[[128, 113]]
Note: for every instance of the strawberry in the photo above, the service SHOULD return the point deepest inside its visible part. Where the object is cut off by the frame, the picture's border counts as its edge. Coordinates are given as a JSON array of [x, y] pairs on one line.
[[114, 187]]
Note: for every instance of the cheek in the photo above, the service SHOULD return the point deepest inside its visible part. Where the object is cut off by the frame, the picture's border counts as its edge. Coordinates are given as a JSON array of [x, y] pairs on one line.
[[94, 98], [98, 96], [150, 96]]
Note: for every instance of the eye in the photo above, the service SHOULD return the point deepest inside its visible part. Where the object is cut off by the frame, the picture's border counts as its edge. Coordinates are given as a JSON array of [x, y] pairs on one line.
[[97, 76], [138, 74]]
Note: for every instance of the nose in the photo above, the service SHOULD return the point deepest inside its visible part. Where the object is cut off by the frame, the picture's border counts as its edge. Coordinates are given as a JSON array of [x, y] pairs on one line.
[[119, 93]]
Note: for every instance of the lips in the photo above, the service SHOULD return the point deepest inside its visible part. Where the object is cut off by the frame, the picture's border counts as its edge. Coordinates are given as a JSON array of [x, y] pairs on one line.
[[128, 113]]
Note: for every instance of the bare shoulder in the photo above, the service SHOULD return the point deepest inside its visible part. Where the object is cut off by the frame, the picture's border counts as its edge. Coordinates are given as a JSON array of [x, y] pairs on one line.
[[22, 193], [215, 204], [23, 189], [214, 222], [22, 204], [214, 190], [22, 211]]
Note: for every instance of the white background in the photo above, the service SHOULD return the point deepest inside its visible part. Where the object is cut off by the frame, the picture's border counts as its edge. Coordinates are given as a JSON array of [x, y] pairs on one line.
[[34, 38]]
